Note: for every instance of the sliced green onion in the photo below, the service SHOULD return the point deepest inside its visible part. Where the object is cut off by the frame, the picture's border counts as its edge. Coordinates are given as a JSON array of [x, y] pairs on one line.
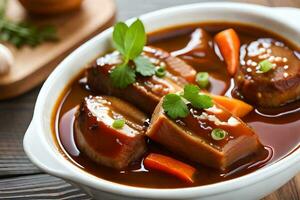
[[265, 66], [118, 123], [202, 79], [160, 72], [218, 134]]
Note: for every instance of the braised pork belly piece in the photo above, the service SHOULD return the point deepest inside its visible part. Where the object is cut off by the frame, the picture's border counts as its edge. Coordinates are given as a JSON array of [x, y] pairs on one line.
[[146, 92], [199, 51], [110, 131], [193, 137], [269, 74]]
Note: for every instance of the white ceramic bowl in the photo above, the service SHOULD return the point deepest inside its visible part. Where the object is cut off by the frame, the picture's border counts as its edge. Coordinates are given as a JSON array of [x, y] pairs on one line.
[[39, 143]]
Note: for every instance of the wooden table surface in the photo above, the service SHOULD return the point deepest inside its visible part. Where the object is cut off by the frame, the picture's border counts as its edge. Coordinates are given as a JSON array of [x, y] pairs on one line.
[[20, 179]]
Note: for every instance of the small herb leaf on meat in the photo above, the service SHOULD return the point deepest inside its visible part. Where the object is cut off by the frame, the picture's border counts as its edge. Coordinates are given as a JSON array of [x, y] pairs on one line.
[[122, 76], [175, 105], [144, 66], [130, 41], [192, 94]]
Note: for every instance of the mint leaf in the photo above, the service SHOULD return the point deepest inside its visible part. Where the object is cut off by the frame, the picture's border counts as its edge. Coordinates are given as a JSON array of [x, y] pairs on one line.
[[201, 101], [122, 76], [144, 66], [174, 106], [119, 33], [135, 40]]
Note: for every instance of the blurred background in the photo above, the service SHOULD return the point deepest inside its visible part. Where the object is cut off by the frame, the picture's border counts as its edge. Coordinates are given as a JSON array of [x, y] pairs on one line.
[[34, 38]]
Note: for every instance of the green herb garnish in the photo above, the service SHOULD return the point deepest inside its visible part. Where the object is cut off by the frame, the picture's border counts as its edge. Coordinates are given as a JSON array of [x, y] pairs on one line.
[[144, 66], [218, 134], [265, 66], [122, 76], [192, 94], [175, 105], [202, 79], [118, 123], [21, 33], [130, 41], [160, 72]]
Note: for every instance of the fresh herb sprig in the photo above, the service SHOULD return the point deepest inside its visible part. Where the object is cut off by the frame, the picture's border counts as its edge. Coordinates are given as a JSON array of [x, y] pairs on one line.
[[175, 105], [130, 41], [21, 33]]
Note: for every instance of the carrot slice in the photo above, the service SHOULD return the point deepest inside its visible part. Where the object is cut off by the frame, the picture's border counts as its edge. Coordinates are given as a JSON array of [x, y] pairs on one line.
[[229, 45], [234, 106], [171, 166]]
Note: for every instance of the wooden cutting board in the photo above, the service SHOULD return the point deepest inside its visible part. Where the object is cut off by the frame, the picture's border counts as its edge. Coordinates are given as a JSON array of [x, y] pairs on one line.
[[33, 65]]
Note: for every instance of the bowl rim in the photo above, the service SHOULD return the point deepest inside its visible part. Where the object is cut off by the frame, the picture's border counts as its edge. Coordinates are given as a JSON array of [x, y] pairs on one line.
[[92, 181]]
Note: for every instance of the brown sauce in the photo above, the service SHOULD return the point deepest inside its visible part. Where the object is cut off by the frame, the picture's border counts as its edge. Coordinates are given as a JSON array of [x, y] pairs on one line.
[[278, 128]]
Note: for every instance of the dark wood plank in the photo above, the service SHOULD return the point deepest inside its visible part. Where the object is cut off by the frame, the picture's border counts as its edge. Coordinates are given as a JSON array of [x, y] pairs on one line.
[[39, 187], [289, 191], [48, 187], [16, 114]]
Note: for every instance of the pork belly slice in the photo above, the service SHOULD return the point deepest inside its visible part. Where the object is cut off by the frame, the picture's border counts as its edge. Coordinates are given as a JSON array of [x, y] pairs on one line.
[[191, 138], [146, 92], [199, 51], [276, 87], [102, 143]]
